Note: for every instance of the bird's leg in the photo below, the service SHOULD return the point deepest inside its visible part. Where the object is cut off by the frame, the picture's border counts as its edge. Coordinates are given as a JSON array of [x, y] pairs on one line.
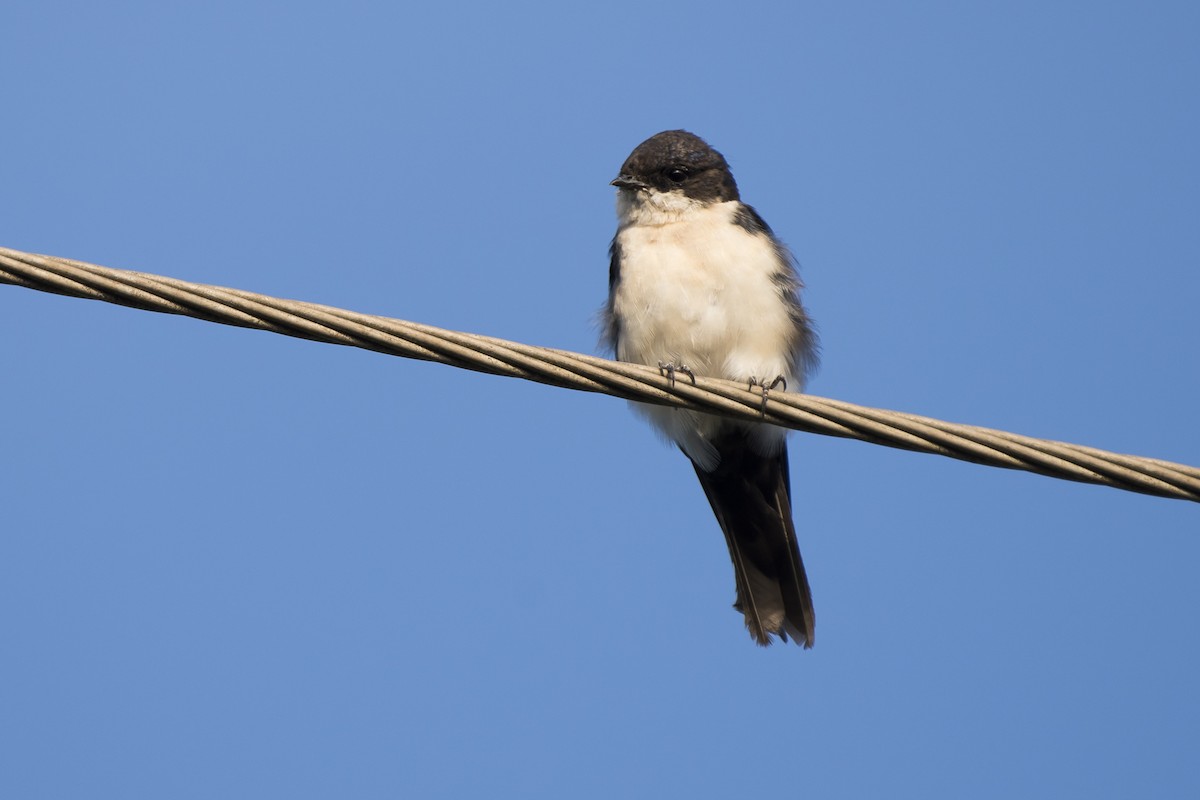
[[669, 368], [766, 388]]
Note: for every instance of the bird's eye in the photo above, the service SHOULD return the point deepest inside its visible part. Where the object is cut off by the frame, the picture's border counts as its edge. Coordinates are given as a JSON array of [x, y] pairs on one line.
[[677, 174]]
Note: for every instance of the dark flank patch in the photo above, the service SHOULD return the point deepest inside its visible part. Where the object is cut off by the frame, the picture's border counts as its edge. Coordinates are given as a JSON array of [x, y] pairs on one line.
[[610, 332], [614, 264]]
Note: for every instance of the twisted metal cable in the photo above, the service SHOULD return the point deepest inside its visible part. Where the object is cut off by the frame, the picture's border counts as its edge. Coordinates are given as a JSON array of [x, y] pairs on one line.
[[576, 371]]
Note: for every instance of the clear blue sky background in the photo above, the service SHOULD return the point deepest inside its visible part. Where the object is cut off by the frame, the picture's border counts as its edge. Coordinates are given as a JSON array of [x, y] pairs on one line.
[[234, 564]]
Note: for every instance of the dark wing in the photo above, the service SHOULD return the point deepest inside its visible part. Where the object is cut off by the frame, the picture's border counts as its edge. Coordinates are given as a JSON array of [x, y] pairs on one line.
[[804, 345]]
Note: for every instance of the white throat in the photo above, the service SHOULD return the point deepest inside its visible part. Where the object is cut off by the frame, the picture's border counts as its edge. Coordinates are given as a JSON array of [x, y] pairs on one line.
[[651, 207]]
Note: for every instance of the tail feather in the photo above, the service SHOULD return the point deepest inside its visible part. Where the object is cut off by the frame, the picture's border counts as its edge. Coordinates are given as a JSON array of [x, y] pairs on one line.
[[751, 496]]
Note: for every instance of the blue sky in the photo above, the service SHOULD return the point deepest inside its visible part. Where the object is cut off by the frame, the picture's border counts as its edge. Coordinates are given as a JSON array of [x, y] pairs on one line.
[[239, 565]]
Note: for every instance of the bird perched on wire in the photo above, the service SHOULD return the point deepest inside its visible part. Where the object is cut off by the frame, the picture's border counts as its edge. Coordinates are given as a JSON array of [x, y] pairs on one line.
[[699, 285]]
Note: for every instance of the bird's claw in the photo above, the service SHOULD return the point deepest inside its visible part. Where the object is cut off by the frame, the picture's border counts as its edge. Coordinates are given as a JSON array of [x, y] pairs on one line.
[[766, 388], [669, 368]]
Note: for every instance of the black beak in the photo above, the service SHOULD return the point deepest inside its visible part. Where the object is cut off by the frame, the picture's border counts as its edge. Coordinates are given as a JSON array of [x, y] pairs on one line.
[[629, 182]]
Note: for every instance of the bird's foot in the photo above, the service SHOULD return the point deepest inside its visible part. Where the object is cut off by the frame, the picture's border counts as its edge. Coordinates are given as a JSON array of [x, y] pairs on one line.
[[766, 388], [669, 368]]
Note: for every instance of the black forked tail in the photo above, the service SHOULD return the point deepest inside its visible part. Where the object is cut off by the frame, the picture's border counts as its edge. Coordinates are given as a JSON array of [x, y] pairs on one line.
[[751, 496]]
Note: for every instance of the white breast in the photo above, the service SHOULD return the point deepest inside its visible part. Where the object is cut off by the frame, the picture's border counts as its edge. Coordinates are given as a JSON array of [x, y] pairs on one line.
[[698, 290]]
